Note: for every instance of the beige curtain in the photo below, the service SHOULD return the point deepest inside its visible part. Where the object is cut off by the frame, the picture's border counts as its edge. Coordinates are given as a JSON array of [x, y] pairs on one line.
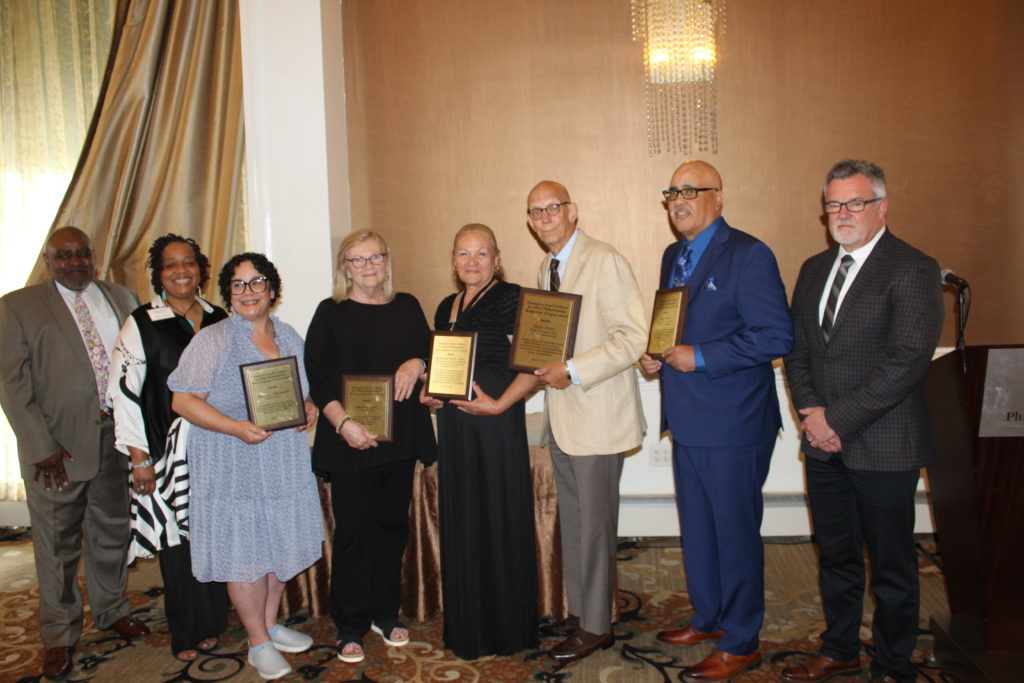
[[164, 151], [166, 147], [52, 57]]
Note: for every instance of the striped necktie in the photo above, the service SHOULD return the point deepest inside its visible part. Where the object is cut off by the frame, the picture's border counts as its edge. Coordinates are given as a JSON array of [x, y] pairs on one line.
[[829, 318]]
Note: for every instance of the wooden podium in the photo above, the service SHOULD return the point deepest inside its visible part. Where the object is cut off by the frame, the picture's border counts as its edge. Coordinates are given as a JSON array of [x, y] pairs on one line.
[[977, 491]]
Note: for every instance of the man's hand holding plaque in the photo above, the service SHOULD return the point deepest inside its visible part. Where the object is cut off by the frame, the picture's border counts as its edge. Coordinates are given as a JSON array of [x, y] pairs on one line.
[[667, 320], [545, 332]]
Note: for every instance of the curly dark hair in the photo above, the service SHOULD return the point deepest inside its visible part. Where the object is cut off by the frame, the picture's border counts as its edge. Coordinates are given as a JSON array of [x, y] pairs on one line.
[[155, 261], [262, 265]]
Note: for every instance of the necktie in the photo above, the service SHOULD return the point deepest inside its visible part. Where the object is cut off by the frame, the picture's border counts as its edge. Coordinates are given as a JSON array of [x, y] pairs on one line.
[[833, 296], [93, 343], [683, 268], [554, 281]]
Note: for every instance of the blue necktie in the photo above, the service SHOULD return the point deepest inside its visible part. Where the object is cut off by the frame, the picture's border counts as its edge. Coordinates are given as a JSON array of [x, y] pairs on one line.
[[683, 268]]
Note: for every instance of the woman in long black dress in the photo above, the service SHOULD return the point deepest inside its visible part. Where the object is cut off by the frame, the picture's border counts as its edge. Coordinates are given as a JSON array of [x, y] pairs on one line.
[[367, 329], [488, 557], [147, 351]]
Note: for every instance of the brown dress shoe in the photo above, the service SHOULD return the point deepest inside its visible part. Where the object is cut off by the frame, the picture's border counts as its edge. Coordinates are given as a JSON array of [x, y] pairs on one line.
[[689, 635], [58, 661], [580, 644], [820, 668], [561, 629], [721, 666], [129, 627]]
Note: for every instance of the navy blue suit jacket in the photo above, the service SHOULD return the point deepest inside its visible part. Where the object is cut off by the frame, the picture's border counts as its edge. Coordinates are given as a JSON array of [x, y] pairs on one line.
[[739, 315]]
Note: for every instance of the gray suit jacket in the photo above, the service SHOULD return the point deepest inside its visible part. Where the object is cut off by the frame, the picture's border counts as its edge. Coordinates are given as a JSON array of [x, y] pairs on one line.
[[870, 375], [47, 385]]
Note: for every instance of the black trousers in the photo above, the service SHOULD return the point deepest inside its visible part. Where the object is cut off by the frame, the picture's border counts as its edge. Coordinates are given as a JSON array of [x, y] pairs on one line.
[[371, 527], [851, 508], [195, 610]]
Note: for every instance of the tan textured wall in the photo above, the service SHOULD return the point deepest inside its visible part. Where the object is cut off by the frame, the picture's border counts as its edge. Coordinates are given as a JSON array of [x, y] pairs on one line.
[[457, 107]]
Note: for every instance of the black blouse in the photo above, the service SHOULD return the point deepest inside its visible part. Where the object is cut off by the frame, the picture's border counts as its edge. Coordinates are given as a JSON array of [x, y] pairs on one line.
[[163, 342], [348, 337]]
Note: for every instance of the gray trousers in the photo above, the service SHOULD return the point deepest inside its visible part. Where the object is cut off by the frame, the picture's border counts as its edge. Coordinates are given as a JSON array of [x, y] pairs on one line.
[[96, 511], [588, 512]]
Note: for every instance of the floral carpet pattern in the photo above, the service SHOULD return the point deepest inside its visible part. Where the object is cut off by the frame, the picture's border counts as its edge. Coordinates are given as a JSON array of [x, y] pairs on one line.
[[652, 596]]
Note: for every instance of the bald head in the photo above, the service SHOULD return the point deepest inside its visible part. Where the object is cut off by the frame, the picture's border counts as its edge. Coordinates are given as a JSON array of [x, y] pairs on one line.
[[69, 258], [549, 187], [692, 216], [555, 230]]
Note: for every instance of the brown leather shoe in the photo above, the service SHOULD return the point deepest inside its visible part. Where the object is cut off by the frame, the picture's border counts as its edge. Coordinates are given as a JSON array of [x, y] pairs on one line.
[[690, 635], [129, 627], [820, 668], [721, 666], [561, 629], [580, 644], [58, 661]]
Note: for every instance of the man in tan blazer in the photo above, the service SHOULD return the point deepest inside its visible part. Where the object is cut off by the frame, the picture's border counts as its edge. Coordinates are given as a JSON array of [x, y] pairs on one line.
[[53, 337], [592, 411]]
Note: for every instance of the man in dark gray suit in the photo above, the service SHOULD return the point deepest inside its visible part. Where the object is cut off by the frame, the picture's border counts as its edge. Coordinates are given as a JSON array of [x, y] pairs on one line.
[[868, 314], [55, 342]]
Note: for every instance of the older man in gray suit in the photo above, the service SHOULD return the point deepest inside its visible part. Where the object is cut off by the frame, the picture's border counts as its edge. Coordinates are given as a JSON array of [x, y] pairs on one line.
[[55, 344], [868, 314]]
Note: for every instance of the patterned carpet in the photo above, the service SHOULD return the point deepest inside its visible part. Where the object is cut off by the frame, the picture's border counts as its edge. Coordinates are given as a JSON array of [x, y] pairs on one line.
[[652, 596]]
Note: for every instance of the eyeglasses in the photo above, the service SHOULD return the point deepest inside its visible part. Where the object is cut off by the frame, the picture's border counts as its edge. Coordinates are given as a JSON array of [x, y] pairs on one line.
[[83, 253], [551, 209], [687, 192], [361, 261], [257, 285], [854, 206]]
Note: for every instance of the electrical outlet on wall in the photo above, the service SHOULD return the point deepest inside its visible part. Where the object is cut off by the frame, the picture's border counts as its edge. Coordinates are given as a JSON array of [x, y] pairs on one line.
[[661, 454]]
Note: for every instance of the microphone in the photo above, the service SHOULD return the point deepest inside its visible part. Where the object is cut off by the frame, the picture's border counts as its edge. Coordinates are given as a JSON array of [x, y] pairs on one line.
[[951, 278]]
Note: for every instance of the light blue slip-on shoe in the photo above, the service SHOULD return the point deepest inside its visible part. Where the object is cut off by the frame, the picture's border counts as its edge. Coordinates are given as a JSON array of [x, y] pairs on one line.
[[289, 640], [268, 661]]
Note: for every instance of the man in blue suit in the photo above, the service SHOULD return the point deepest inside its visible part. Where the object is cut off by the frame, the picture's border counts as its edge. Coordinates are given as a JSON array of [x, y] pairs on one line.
[[719, 402]]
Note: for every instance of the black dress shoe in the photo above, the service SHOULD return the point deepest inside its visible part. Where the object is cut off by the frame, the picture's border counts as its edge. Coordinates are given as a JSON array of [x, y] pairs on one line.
[[561, 629], [580, 644], [58, 661]]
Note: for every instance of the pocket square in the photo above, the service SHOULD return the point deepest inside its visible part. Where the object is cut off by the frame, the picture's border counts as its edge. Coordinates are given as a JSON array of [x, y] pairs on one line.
[[710, 285]]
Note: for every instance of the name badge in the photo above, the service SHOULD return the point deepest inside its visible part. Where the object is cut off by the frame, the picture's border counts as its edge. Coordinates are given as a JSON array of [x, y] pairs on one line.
[[162, 313]]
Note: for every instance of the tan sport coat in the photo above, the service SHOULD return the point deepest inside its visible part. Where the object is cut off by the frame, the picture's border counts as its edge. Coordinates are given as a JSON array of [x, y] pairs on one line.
[[602, 414], [47, 385]]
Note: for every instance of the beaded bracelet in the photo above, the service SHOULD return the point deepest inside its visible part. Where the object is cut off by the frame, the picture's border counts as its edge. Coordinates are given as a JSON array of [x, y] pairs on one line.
[[148, 462], [342, 424]]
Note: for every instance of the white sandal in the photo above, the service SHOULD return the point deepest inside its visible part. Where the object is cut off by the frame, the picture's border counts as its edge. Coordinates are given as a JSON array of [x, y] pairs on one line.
[[353, 657], [391, 630]]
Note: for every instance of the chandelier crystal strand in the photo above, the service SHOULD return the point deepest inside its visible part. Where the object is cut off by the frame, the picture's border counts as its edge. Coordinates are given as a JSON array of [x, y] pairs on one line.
[[680, 40]]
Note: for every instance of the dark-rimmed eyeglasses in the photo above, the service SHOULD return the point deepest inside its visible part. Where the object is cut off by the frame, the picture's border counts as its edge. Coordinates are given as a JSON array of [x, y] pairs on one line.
[[854, 205], [83, 253], [687, 192], [257, 285], [550, 209], [361, 261]]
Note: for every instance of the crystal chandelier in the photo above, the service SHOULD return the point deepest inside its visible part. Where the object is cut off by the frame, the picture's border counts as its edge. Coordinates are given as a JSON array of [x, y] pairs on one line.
[[679, 39]]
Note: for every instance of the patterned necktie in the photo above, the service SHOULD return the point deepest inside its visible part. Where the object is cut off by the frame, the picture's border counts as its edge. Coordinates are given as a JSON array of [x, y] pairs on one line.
[[683, 268], [97, 352], [554, 281], [833, 296]]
